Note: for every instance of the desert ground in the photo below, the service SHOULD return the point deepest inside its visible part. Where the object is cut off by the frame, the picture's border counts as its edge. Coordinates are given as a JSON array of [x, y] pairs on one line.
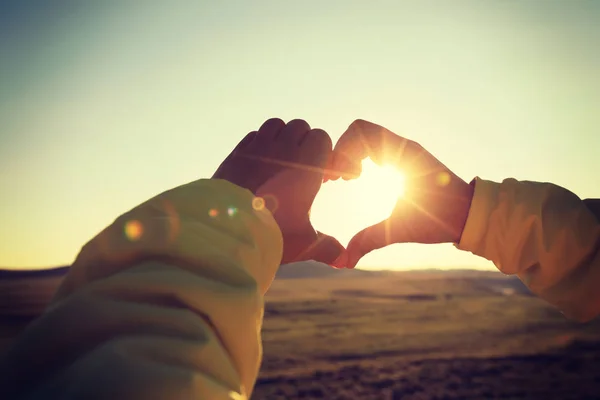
[[421, 335], [352, 334]]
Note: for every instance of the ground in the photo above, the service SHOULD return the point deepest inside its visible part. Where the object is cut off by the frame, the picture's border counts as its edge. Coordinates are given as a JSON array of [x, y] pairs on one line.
[[422, 335], [332, 334]]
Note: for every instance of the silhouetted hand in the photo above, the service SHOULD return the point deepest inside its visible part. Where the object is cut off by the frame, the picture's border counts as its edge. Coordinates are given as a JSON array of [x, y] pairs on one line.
[[436, 202], [283, 165]]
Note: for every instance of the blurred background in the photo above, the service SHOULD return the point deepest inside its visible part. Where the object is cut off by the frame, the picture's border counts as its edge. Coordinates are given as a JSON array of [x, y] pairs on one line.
[[105, 104]]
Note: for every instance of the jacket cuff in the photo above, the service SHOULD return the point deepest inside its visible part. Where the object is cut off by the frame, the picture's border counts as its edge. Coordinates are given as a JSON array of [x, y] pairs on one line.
[[484, 200], [191, 225]]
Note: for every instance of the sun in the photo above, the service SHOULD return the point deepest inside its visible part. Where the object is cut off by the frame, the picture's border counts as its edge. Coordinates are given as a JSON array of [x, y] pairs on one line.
[[387, 180], [342, 208]]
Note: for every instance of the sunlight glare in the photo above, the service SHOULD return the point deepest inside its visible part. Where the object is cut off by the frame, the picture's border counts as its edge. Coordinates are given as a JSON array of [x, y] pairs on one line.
[[386, 180], [342, 208]]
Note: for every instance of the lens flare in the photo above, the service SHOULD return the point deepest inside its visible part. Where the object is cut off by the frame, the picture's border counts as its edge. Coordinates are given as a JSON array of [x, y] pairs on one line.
[[213, 213], [133, 230], [443, 178], [271, 202], [258, 203]]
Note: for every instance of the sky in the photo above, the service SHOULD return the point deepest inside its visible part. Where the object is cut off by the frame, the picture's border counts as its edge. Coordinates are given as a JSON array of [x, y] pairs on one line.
[[105, 104]]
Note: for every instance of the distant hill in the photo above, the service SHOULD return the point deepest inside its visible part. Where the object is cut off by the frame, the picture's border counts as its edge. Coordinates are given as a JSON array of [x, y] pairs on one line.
[[25, 293], [314, 269], [484, 280], [37, 273]]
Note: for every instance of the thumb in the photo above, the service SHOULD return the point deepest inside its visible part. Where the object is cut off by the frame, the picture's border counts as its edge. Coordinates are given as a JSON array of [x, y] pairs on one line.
[[369, 239], [325, 249]]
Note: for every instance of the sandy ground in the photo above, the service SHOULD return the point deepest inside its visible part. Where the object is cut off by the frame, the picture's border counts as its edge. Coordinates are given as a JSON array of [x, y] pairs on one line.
[[417, 335], [422, 336]]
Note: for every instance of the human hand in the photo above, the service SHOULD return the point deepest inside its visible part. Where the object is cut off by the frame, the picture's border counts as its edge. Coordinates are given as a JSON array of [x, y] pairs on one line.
[[283, 164], [436, 201]]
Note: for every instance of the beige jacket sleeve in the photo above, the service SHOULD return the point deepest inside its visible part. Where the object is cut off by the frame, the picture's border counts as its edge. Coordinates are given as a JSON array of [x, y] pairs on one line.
[[166, 303], [544, 234]]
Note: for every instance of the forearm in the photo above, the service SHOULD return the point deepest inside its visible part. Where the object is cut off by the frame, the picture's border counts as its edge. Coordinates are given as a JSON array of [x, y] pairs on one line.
[[544, 234], [172, 312]]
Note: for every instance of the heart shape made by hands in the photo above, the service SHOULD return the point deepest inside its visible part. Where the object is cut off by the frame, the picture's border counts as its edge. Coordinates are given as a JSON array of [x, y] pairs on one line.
[[345, 207]]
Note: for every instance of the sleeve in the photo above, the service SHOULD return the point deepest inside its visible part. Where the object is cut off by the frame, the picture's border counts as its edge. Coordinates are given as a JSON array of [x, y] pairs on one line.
[[165, 303], [544, 234]]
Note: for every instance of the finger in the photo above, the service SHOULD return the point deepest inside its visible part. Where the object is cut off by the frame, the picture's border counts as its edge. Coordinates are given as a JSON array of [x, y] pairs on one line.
[[270, 129], [325, 249], [239, 149], [329, 173], [296, 129], [372, 238], [365, 139], [245, 141], [341, 261], [345, 167], [315, 148]]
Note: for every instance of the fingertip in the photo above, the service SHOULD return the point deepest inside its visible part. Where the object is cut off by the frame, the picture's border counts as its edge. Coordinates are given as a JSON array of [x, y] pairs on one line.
[[352, 260], [331, 177], [350, 176], [340, 261], [345, 167], [325, 249]]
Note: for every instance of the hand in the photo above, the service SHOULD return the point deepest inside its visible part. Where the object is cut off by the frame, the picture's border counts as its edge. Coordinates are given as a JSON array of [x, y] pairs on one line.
[[284, 164], [436, 202]]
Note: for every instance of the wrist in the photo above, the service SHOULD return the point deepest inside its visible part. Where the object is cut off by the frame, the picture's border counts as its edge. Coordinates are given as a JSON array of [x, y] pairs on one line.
[[460, 212]]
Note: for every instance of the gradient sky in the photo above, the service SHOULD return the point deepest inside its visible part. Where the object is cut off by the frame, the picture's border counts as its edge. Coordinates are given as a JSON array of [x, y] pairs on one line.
[[107, 103]]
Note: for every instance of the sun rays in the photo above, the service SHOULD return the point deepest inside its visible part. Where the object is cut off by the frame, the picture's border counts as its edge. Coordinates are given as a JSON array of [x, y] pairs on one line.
[[342, 208]]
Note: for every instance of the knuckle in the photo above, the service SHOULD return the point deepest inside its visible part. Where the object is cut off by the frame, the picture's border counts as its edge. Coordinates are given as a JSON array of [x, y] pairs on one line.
[[417, 147], [274, 119], [298, 121], [321, 138], [359, 122], [361, 126], [272, 124]]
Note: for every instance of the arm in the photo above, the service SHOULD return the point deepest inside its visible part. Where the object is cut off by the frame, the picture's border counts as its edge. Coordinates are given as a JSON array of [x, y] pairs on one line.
[[544, 234], [167, 302], [173, 311], [541, 232]]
